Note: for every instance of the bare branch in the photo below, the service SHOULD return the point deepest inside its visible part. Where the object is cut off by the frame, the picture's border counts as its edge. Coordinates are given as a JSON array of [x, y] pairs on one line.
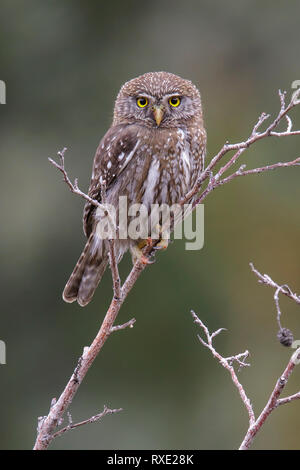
[[239, 148], [253, 171], [227, 364], [283, 401], [129, 324], [274, 401], [284, 289], [93, 419], [48, 424], [73, 186], [286, 338]]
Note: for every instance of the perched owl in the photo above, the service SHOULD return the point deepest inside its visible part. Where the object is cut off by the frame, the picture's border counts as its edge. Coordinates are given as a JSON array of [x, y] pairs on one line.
[[152, 153]]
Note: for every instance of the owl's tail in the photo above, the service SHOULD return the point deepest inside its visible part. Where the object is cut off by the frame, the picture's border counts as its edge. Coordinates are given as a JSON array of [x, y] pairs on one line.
[[87, 273]]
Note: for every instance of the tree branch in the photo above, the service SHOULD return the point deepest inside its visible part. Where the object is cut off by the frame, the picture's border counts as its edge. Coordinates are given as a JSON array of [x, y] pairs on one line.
[[215, 180], [52, 420], [284, 288], [274, 400], [227, 363], [284, 335], [93, 419], [73, 186], [48, 424], [272, 403]]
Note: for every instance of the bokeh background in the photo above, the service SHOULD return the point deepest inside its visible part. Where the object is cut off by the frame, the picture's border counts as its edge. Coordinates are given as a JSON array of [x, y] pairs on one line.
[[63, 63]]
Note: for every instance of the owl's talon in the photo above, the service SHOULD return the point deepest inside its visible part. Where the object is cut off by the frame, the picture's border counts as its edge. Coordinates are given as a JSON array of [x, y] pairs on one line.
[[162, 244], [138, 255], [146, 260]]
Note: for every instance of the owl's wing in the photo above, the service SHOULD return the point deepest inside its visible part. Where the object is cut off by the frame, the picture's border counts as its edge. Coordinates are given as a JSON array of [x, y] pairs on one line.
[[113, 154]]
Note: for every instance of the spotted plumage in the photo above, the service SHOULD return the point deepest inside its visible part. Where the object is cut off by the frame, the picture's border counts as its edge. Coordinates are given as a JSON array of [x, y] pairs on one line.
[[152, 153]]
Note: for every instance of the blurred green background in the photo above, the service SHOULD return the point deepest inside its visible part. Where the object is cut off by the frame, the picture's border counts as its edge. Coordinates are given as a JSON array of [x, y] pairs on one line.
[[63, 63]]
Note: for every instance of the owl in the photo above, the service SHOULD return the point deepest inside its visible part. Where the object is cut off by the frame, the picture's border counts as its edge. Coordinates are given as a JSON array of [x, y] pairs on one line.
[[153, 153]]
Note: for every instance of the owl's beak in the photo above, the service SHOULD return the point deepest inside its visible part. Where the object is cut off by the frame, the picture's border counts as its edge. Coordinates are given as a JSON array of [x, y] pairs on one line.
[[158, 114]]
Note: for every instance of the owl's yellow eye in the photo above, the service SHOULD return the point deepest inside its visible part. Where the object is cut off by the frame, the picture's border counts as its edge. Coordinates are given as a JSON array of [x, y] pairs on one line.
[[142, 102], [174, 101]]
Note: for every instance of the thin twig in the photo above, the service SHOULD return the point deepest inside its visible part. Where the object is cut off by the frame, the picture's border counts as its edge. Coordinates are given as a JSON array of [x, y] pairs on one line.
[[93, 419], [283, 401], [129, 324], [283, 289], [227, 364], [74, 188]]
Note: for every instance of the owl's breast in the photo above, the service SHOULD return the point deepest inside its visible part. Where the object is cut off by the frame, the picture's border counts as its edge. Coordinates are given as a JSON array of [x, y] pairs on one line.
[[162, 170], [170, 168]]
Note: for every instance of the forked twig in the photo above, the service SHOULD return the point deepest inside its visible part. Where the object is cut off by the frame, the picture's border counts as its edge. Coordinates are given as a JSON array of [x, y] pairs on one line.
[[227, 363], [215, 180], [284, 333]]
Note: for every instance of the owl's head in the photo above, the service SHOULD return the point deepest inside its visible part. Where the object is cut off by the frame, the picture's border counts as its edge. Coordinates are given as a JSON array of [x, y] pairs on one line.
[[158, 99]]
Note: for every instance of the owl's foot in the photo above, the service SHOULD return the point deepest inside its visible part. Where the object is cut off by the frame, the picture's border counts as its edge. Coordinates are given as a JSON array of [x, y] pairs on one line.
[[163, 243], [138, 255]]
